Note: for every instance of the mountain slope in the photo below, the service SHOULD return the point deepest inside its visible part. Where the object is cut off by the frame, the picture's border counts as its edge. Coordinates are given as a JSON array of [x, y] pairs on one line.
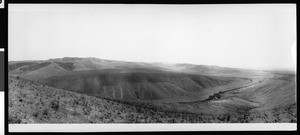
[[135, 85], [116, 79], [30, 102], [90, 64], [138, 81]]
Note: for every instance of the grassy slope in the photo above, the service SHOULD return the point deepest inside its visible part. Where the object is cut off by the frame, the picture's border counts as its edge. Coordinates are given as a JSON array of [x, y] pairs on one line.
[[135, 85], [13, 66], [30, 102]]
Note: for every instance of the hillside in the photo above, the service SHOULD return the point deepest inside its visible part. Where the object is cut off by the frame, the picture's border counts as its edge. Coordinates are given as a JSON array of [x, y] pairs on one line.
[[135, 85], [67, 64], [197, 93], [30, 102], [117, 79]]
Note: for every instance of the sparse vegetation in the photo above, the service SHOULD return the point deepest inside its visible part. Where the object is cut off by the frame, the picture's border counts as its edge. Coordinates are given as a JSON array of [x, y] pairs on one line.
[[30, 102], [90, 90], [17, 65], [66, 65], [34, 66]]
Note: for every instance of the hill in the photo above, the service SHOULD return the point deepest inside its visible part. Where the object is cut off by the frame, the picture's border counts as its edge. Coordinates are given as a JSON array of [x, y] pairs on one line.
[[203, 93], [31, 102], [67, 64], [117, 79], [135, 85]]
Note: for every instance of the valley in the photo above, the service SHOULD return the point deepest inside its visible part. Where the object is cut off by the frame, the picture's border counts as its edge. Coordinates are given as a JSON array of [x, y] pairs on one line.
[[207, 93]]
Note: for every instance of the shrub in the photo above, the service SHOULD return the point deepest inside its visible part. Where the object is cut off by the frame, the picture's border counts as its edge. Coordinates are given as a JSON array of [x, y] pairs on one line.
[[87, 110], [45, 112], [54, 105], [35, 114], [14, 119]]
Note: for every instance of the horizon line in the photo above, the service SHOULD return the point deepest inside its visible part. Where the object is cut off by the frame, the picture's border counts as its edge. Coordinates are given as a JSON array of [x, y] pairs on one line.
[[168, 63]]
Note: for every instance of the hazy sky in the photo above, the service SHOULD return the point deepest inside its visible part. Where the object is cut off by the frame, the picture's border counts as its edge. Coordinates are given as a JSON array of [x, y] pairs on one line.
[[243, 36]]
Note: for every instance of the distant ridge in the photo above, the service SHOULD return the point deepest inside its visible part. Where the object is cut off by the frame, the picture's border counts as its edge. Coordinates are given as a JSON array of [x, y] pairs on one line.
[[92, 63], [120, 79]]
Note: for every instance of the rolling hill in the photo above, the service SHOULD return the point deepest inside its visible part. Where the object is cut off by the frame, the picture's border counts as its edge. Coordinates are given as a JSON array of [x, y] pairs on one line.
[[188, 88], [32, 103], [117, 79], [135, 85]]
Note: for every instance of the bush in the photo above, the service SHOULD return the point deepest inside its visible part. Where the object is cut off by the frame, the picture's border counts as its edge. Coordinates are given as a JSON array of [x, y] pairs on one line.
[[87, 110], [45, 112], [54, 105], [14, 119]]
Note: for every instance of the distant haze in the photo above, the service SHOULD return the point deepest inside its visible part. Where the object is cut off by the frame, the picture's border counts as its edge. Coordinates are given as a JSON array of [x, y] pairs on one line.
[[241, 36]]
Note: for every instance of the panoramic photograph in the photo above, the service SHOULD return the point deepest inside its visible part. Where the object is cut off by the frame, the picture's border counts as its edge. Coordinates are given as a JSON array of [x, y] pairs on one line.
[[151, 63]]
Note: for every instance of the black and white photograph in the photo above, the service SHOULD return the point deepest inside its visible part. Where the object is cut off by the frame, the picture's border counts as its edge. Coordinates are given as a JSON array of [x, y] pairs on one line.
[[148, 64]]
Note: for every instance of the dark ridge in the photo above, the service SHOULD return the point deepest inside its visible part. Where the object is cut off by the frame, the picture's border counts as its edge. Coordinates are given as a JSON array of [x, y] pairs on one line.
[[14, 66], [288, 77], [66, 65], [35, 66], [282, 72]]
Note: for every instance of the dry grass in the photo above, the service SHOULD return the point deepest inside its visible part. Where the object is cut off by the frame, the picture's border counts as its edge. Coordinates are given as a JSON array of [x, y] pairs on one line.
[[30, 102]]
